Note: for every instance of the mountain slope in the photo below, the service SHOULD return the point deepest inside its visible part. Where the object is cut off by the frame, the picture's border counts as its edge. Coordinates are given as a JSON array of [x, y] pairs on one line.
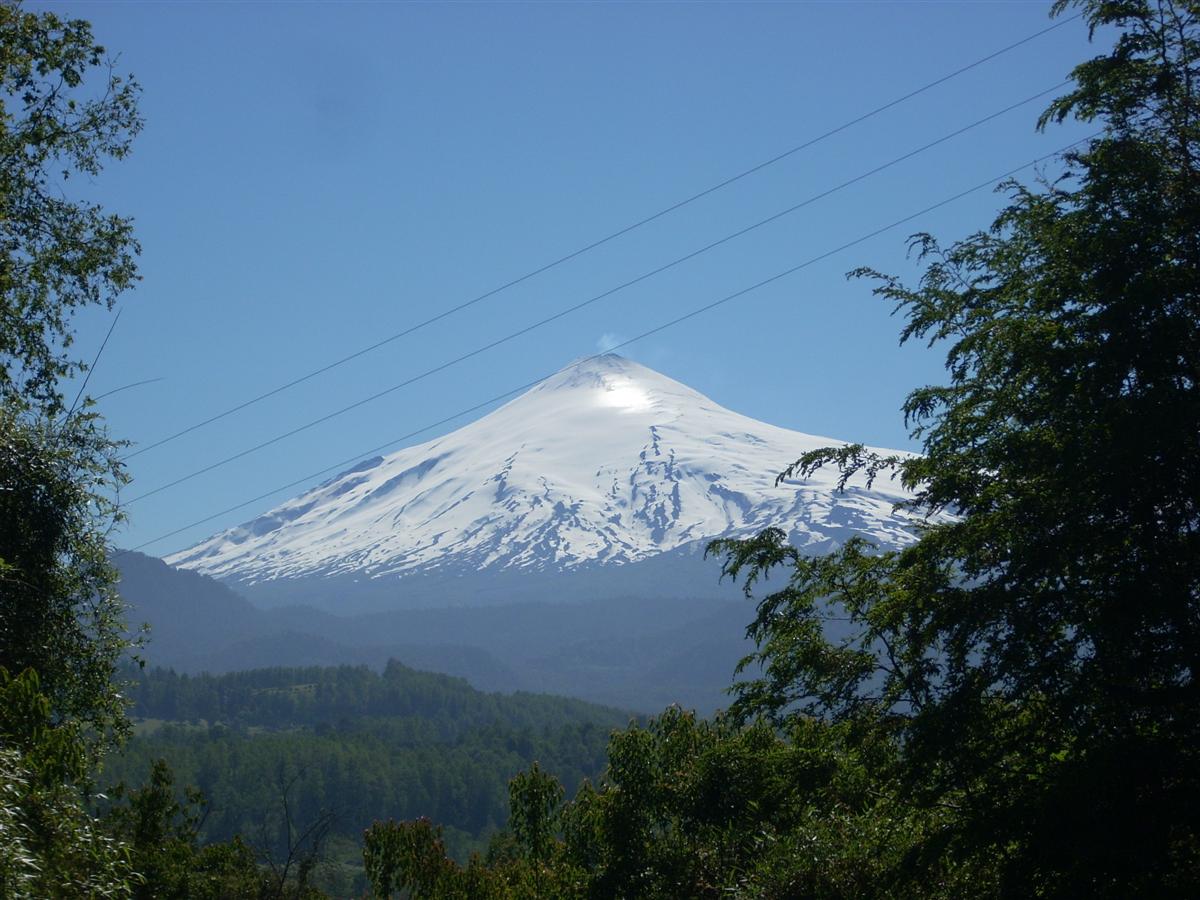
[[606, 463]]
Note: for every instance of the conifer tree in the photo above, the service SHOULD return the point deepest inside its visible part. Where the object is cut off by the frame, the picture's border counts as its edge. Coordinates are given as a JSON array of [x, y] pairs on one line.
[[1036, 657]]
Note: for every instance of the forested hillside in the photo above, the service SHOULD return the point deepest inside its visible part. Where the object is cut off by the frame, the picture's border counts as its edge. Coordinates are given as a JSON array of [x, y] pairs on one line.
[[344, 747], [315, 696]]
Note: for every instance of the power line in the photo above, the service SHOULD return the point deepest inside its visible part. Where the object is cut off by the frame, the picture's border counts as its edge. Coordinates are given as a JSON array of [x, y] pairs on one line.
[[645, 334], [92, 367], [601, 241], [588, 302], [126, 387]]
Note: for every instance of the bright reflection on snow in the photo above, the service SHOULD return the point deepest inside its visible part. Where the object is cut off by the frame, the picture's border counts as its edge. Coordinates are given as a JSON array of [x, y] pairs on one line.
[[624, 395]]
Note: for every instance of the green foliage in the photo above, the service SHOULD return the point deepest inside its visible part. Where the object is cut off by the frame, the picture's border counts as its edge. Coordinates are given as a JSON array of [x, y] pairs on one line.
[[160, 832], [410, 859], [357, 746], [61, 633], [407, 856], [801, 671], [56, 255], [534, 801], [59, 473], [1027, 652], [50, 846], [323, 696], [691, 808], [59, 611]]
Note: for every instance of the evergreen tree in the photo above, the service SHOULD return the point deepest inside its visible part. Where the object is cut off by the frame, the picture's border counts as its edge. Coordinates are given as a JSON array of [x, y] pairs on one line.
[[1035, 658]]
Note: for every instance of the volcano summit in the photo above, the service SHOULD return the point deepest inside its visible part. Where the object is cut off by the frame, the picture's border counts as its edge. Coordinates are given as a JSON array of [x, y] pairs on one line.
[[604, 464]]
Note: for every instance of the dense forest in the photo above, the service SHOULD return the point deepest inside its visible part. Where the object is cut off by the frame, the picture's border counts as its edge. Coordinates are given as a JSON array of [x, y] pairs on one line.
[[1007, 707], [317, 697], [349, 746]]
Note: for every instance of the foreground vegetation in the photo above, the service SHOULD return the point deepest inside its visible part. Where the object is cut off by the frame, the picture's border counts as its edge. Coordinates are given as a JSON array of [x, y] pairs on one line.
[[1009, 711]]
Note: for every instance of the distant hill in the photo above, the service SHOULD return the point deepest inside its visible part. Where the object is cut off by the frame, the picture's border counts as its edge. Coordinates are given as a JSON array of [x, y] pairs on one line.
[[628, 651], [555, 543]]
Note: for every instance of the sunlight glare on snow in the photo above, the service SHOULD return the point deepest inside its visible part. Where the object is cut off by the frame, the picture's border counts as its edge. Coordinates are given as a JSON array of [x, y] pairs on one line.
[[624, 395]]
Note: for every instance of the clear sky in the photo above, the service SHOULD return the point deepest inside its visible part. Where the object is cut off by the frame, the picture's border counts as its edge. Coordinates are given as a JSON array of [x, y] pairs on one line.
[[316, 176]]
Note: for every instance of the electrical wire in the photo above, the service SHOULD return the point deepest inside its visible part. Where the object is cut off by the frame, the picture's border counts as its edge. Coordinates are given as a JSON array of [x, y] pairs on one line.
[[645, 334], [601, 241], [585, 303], [92, 367]]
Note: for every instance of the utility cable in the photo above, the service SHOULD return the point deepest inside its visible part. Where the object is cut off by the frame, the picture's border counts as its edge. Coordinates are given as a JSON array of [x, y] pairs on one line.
[[584, 303], [601, 241], [92, 367], [645, 334], [126, 387]]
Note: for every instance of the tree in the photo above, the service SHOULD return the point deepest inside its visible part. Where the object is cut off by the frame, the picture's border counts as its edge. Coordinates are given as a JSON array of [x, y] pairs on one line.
[[1035, 657], [61, 634], [59, 613], [692, 808], [50, 845], [534, 802], [408, 856], [56, 255], [162, 837], [302, 848]]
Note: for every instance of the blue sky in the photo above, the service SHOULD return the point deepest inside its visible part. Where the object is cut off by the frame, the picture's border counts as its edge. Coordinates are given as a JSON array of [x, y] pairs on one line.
[[316, 176]]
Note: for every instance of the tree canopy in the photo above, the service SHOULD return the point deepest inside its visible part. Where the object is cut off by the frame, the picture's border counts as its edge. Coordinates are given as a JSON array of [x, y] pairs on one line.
[[56, 254], [1036, 656], [59, 474], [61, 629]]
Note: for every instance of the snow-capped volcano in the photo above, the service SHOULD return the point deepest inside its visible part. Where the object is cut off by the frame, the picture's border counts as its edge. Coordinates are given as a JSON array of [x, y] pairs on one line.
[[607, 462]]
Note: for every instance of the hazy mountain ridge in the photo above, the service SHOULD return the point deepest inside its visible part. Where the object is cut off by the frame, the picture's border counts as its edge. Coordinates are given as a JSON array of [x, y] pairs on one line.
[[624, 650], [557, 541]]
